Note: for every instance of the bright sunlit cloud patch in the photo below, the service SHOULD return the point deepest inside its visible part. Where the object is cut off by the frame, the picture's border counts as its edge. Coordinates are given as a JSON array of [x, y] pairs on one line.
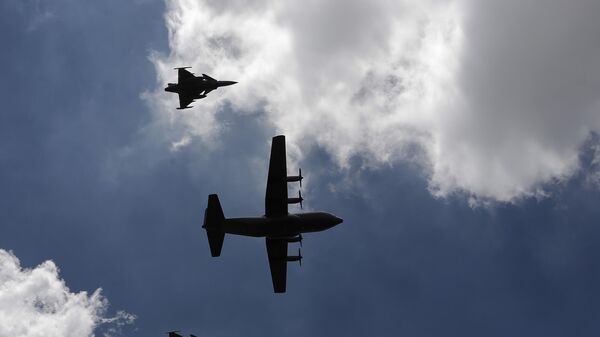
[[37, 303], [475, 94]]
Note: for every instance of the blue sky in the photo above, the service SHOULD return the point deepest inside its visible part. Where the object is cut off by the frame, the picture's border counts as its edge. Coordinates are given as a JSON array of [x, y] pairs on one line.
[[91, 181]]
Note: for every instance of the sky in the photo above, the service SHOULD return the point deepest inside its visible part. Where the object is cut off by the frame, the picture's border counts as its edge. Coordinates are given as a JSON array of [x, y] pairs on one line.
[[459, 141]]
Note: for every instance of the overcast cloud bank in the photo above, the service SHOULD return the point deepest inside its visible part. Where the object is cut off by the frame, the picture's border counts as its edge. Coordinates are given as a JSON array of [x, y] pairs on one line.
[[37, 303], [493, 100]]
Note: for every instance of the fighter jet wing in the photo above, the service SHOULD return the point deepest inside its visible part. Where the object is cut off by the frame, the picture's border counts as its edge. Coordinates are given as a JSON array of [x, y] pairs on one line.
[[276, 198], [277, 251], [185, 100], [184, 74]]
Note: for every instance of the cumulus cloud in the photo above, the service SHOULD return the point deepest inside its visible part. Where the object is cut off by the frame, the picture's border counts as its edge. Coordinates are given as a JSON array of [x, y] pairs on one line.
[[492, 99], [37, 303]]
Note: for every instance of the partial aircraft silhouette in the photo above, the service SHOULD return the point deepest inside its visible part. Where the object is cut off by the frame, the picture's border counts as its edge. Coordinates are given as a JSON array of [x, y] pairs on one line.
[[176, 334]]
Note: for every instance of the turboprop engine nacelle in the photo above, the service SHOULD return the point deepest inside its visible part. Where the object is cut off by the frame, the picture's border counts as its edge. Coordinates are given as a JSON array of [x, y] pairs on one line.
[[297, 178], [294, 239], [296, 200], [295, 258]]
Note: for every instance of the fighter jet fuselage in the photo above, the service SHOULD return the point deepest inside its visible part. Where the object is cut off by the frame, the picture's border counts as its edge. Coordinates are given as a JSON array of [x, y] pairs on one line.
[[196, 86]]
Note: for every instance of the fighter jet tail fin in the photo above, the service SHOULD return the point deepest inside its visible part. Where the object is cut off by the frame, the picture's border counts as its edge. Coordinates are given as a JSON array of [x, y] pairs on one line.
[[213, 222]]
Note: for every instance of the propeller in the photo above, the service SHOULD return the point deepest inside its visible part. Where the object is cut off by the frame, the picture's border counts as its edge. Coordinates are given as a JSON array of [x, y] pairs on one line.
[[300, 257], [300, 235], [300, 175], [300, 197]]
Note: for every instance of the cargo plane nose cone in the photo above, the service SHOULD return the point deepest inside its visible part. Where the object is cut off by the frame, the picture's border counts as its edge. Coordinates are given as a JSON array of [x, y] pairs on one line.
[[334, 220]]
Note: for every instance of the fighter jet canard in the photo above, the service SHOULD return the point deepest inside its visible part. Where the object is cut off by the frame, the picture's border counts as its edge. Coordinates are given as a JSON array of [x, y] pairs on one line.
[[190, 87], [277, 225]]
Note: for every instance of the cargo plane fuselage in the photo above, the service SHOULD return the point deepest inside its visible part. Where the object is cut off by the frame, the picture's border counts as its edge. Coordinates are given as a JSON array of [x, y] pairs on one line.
[[289, 226]]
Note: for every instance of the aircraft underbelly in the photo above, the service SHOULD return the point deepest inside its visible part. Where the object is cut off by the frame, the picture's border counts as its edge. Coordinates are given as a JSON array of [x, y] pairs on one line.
[[314, 227], [260, 227]]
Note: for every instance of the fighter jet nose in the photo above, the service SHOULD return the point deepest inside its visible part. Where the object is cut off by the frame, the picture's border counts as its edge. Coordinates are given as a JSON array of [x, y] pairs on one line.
[[226, 83]]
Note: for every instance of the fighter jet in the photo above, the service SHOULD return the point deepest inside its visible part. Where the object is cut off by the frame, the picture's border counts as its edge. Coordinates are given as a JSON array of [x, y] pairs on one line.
[[191, 88], [277, 226]]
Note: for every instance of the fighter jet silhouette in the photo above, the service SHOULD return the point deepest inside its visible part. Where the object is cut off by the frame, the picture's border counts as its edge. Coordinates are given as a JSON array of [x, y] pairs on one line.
[[190, 87], [277, 225]]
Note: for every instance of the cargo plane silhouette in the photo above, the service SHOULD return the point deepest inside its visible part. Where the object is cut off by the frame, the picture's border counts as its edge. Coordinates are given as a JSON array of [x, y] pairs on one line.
[[277, 226]]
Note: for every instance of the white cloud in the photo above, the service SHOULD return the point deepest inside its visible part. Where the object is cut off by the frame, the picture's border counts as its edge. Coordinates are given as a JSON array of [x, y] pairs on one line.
[[499, 97], [593, 178], [37, 303]]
